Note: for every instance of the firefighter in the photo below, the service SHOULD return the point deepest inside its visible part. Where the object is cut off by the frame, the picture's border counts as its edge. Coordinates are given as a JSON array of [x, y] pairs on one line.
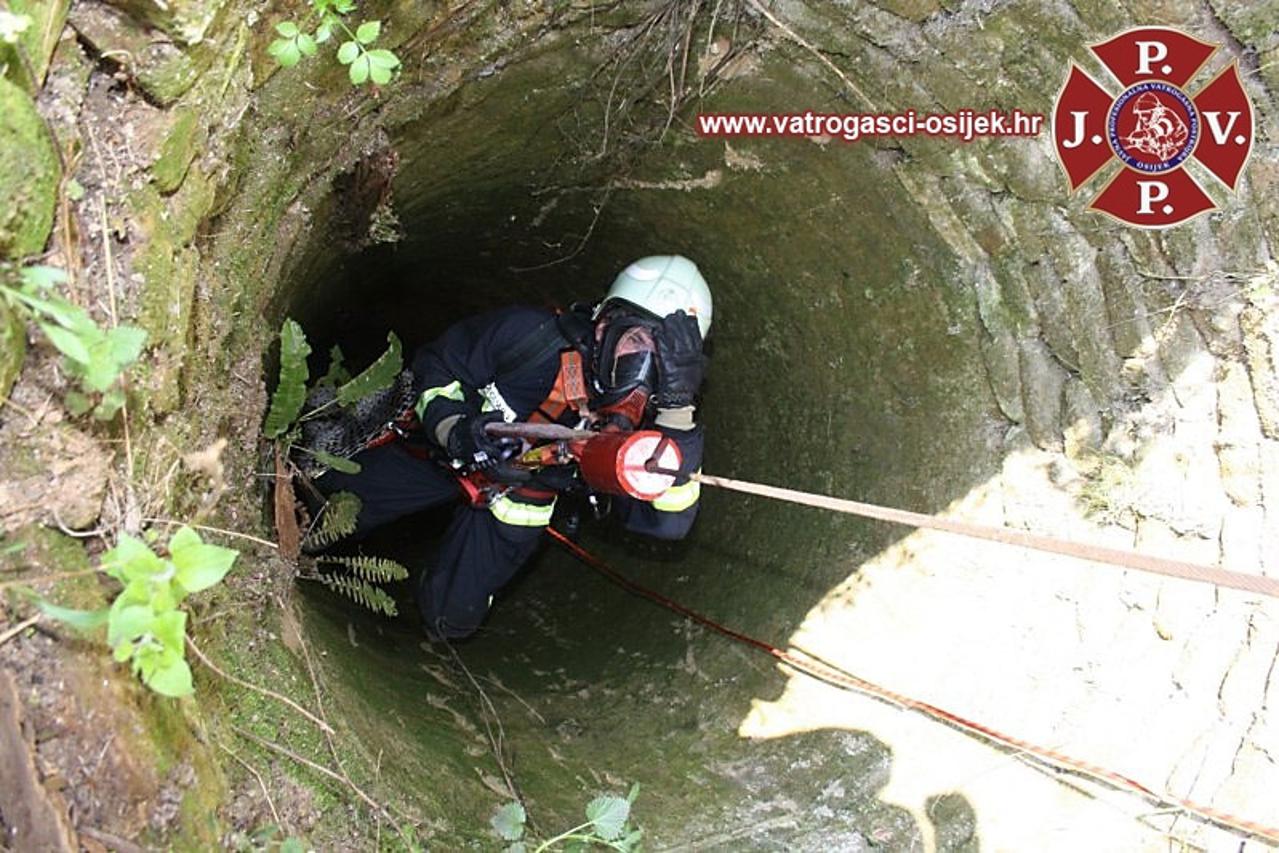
[[633, 361]]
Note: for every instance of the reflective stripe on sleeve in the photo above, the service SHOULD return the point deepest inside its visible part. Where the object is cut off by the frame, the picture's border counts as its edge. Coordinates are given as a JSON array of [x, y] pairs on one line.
[[519, 514], [678, 498], [452, 391]]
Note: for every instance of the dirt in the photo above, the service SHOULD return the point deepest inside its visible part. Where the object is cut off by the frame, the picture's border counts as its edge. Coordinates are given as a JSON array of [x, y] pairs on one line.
[[77, 745], [91, 760]]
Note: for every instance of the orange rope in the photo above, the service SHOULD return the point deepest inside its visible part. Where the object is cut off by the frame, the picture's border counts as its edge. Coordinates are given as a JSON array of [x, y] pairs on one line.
[[829, 673], [1037, 541]]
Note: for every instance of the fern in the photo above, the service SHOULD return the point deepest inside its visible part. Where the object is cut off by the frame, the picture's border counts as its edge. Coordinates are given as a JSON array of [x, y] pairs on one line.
[[362, 592], [290, 393], [337, 520], [377, 569], [376, 377], [337, 373], [337, 463]]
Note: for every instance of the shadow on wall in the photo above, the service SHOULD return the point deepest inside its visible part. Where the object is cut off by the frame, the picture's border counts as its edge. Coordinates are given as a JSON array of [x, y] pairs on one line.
[[1164, 681]]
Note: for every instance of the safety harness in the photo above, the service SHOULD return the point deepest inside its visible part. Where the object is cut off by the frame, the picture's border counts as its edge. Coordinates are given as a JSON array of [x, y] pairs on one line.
[[392, 415]]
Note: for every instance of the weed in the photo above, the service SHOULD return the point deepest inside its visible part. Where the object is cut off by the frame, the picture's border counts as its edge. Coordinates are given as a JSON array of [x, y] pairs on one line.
[[144, 623], [364, 62], [95, 357], [1110, 487], [358, 577], [607, 824]]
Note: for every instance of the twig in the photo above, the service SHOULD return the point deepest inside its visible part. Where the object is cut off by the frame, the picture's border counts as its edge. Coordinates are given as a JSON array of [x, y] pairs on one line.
[[802, 42], [496, 742], [22, 410], [209, 529], [318, 768], [262, 690], [261, 783], [581, 243], [18, 629], [319, 702], [107, 259], [45, 578], [110, 840], [491, 679], [77, 534]]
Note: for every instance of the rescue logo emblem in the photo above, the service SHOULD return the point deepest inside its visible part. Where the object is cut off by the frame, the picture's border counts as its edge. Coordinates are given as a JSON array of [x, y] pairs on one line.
[[1153, 127]]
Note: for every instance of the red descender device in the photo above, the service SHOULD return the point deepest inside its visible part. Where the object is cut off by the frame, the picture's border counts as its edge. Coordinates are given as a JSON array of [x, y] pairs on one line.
[[640, 464]]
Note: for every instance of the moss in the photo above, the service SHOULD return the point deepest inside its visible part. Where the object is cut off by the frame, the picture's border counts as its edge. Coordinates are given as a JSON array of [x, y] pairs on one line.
[[162, 69], [168, 267], [187, 21], [29, 175], [37, 42], [13, 347], [167, 81], [178, 150]]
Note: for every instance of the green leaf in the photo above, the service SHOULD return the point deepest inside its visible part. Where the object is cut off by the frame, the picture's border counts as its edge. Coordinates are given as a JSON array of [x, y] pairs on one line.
[[128, 620], [292, 845], [42, 277], [337, 373], [101, 371], [632, 839], [383, 58], [379, 75], [338, 519], [633, 793], [81, 620], [344, 6], [199, 565], [377, 376], [111, 402], [288, 29], [347, 52], [367, 32], [77, 403], [131, 560], [68, 343], [170, 629], [608, 816], [369, 595], [337, 463], [324, 31], [126, 344], [75, 191], [288, 55], [508, 822], [290, 394], [171, 676], [60, 310], [359, 70], [378, 569], [516, 847], [306, 44], [122, 652]]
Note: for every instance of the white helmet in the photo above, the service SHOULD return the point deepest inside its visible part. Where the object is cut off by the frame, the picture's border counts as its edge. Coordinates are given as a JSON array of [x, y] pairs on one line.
[[661, 285]]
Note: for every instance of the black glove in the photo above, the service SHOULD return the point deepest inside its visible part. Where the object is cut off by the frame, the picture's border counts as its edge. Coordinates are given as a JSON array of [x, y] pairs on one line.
[[556, 478], [680, 362], [469, 442]]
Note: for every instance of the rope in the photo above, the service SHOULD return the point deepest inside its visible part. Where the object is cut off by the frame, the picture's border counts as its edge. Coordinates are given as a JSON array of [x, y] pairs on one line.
[[812, 666], [1036, 541]]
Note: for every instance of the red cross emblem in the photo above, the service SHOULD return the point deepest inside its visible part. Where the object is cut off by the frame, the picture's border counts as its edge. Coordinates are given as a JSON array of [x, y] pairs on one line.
[[1153, 127]]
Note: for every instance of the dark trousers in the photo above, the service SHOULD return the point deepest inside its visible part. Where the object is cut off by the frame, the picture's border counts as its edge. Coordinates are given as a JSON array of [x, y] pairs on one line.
[[478, 554]]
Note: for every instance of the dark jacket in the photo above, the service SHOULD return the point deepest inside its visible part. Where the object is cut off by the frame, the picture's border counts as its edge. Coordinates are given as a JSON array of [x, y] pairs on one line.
[[450, 373]]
